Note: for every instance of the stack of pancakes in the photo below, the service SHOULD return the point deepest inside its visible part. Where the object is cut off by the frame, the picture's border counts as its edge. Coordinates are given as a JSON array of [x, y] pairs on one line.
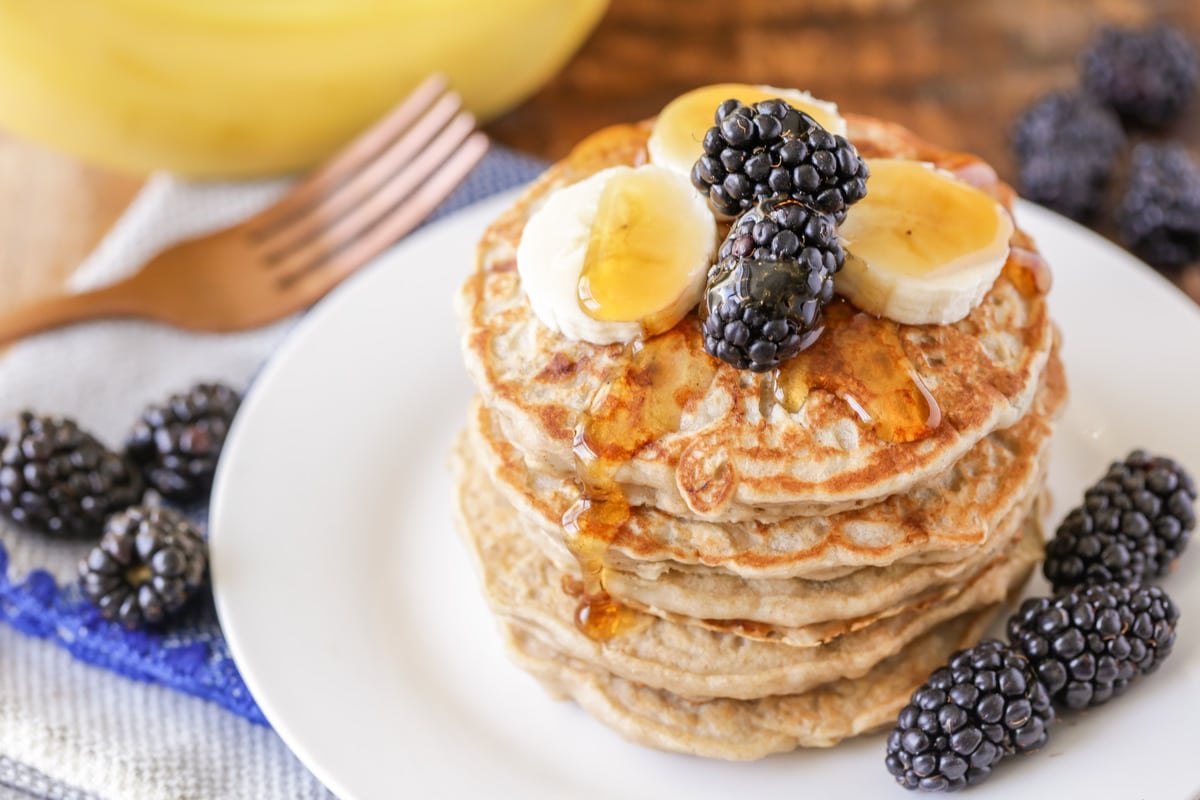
[[785, 578]]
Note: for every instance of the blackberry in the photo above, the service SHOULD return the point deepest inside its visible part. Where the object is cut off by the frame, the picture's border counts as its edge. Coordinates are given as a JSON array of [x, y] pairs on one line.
[[1087, 646], [176, 444], [773, 278], [783, 227], [1134, 522], [58, 479], [1066, 146], [984, 705], [1159, 215], [148, 564], [1147, 76], [769, 149]]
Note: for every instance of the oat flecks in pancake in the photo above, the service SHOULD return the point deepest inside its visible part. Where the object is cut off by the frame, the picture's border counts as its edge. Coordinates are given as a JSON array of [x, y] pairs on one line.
[[787, 576], [728, 460], [742, 730], [682, 655], [955, 512]]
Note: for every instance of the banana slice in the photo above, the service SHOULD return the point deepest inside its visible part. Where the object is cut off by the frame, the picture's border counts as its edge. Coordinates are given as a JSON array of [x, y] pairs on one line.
[[675, 141], [229, 88], [619, 255], [922, 247]]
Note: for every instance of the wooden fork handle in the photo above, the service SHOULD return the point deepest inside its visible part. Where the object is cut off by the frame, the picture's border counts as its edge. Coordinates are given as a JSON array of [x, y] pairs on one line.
[[56, 312]]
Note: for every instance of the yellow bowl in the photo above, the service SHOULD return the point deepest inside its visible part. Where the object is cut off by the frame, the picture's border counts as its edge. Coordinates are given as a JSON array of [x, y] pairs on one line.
[[250, 87]]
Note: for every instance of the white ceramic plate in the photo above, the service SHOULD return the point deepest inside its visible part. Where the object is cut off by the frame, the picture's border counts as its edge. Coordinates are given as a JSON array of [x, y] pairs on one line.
[[356, 619]]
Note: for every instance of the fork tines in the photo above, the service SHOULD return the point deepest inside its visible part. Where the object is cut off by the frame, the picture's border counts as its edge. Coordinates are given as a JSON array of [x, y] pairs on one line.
[[376, 191]]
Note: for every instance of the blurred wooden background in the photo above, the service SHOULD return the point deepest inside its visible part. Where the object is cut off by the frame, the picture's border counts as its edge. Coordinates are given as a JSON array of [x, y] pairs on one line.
[[956, 71]]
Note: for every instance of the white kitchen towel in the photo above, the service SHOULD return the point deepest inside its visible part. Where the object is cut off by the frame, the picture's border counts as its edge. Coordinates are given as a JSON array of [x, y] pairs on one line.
[[77, 731], [74, 727], [69, 730]]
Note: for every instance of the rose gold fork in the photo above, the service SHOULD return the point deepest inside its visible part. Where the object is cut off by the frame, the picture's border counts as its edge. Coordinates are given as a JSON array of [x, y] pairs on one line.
[[283, 259]]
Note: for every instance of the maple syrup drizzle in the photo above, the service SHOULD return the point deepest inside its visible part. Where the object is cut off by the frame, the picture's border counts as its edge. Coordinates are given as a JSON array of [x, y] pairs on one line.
[[971, 170], [1026, 268], [861, 359], [639, 405], [631, 267]]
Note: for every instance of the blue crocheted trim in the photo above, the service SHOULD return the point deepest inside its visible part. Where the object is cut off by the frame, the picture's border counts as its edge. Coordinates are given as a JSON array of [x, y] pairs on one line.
[[193, 657]]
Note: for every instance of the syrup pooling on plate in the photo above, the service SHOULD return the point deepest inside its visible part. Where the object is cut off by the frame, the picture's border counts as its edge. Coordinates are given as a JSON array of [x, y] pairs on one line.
[[861, 359], [641, 403]]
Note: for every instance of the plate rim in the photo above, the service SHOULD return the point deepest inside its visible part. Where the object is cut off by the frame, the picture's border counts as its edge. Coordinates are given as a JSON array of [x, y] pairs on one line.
[[312, 323], [313, 319]]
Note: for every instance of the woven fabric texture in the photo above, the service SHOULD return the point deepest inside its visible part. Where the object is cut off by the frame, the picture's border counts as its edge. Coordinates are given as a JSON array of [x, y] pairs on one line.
[[102, 374]]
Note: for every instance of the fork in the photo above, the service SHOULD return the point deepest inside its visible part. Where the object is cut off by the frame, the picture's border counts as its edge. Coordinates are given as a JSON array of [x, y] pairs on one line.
[[286, 257]]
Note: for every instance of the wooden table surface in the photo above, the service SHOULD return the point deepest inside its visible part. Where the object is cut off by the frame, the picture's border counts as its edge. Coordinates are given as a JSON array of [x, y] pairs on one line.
[[956, 71]]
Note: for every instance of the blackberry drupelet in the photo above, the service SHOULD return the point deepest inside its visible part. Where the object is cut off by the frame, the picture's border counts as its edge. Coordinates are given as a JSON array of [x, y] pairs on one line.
[[1147, 76], [783, 227], [770, 149], [1066, 145], [984, 705], [1159, 215], [1087, 646], [1134, 522], [773, 278], [148, 564], [176, 444], [58, 479]]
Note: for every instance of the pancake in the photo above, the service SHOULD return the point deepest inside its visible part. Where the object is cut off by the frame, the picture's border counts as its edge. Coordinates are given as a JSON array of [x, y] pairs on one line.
[[741, 730], [737, 452], [770, 560], [682, 656], [942, 521], [799, 612], [806, 614]]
